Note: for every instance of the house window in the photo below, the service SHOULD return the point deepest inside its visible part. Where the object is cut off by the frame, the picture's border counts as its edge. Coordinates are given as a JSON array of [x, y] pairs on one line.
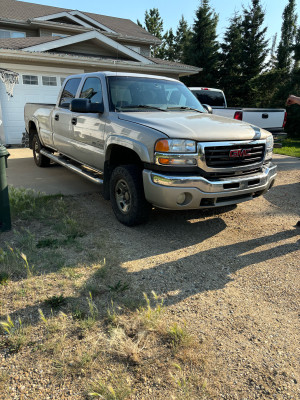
[[49, 81], [30, 80], [59, 35], [62, 81], [4, 34]]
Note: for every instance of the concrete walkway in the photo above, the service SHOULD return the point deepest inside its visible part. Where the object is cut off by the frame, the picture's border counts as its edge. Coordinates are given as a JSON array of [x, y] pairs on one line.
[[22, 172]]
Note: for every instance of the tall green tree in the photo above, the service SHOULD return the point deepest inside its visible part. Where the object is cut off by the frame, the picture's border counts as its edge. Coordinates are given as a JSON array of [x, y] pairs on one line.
[[254, 48], [231, 61], [154, 25], [183, 41], [288, 34], [204, 46], [168, 48]]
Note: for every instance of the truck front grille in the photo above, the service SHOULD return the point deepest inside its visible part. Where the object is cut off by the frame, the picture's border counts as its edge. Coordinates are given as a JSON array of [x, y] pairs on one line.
[[234, 156]]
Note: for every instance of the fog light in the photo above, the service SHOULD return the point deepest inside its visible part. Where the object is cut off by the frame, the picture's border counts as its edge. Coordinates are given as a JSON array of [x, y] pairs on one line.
[[181, 199]]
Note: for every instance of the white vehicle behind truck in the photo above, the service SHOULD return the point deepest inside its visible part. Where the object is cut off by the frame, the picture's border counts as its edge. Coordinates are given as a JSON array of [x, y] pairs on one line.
[[271, 119], [150, 142]]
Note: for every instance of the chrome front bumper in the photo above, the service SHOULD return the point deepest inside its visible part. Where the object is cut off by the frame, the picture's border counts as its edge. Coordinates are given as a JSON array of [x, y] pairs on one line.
[[177, 192]]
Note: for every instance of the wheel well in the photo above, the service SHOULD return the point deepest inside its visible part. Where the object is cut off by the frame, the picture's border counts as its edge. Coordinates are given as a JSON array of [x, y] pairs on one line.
[[119, 155], [31, 132]]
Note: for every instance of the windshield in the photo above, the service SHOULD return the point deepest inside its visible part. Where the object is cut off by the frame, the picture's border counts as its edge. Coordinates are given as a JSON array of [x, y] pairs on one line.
[[129, 93]]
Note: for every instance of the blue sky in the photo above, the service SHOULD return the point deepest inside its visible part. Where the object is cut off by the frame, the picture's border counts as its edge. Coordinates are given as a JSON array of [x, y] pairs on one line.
[[171, 10]]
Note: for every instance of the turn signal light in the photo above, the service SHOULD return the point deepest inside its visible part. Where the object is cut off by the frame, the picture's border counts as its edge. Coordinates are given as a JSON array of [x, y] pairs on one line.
[[162, 146]]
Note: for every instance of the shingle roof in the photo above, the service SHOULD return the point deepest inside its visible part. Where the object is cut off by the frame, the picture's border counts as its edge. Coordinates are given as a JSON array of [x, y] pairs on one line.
[[21, 43], [173, 63], [23, 11]]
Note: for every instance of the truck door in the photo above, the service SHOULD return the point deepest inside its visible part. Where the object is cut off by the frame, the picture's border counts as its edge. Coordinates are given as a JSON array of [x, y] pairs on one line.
[[89, 128], [62, 126]]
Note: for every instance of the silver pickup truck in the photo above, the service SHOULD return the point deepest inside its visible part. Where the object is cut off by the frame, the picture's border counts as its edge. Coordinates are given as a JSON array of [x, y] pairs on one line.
[[149, 142]]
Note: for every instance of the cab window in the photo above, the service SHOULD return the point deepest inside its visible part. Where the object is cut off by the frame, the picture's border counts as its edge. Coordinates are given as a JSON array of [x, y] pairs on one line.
[[69, 92], [92, 90]]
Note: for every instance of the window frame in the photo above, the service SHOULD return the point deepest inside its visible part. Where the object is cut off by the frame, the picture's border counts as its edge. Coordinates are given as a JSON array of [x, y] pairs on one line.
[[49, 77], [30, 76]]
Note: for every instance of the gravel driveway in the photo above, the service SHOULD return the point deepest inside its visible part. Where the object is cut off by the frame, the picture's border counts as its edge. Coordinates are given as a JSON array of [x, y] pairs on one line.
[[233, 278]]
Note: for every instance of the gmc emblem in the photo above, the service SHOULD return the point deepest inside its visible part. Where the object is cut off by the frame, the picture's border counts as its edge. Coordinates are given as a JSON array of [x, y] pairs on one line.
[[239, 153]]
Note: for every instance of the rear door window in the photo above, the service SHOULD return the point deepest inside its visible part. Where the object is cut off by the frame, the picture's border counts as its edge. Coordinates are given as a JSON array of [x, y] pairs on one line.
[[69, 92]]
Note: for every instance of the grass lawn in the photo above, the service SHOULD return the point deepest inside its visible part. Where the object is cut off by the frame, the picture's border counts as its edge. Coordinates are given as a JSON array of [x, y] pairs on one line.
[[290, 147]]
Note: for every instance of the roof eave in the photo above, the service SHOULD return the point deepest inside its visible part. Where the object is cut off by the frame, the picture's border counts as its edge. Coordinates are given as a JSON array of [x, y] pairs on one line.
[[52, 58]]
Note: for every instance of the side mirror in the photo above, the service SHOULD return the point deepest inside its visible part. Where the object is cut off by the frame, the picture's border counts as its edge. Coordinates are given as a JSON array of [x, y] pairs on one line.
[[208, 108], [85, 106]]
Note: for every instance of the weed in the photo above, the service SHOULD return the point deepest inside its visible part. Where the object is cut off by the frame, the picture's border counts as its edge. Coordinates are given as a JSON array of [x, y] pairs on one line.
[[119, 287], [12, 263], [150, 316], [179, 336], [25, 239], [56, 301], [92, 315], [71, 228], [78, 314], [112, 316], [4, 278], [116, 387], [16, 336]]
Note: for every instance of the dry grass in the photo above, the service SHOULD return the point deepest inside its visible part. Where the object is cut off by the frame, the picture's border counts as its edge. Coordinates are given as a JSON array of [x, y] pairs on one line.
[[72, 315]]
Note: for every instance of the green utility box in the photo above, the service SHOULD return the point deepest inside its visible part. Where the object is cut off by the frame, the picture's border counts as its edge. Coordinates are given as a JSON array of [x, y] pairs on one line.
[[5, 221]]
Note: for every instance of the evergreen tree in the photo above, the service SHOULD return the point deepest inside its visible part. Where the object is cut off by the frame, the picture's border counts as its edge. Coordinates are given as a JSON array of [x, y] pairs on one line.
[[154, 25], [288, 33], [254, 49], [204, 46], [168, 48], [182, 41], [231, 61]]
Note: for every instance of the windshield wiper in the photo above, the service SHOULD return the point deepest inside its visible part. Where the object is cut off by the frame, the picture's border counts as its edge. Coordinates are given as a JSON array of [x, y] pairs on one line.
[[184, 108], [140, 106]]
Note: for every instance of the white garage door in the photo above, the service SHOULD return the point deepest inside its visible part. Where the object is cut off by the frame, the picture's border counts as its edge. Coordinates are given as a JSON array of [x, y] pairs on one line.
[[32, 88]]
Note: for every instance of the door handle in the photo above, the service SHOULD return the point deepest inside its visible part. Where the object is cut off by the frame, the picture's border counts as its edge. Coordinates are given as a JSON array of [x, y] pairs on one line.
[[265, 116], [56, 117], [74, 121]]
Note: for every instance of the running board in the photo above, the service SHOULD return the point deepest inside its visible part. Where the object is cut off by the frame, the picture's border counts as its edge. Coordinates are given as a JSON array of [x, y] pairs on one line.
[[90, 175]]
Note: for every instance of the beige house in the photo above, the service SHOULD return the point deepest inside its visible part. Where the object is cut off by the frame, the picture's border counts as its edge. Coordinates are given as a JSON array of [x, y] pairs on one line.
[[44, 44]]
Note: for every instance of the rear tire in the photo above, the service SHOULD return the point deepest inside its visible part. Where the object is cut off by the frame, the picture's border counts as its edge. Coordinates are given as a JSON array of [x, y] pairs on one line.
[[40, 160], [127, 195]]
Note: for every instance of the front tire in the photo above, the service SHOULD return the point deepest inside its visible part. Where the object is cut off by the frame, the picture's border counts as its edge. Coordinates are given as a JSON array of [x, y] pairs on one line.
[[40, 160], [127, 195]]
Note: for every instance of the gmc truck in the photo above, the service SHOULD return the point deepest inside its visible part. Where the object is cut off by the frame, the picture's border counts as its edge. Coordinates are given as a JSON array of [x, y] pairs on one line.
[[149, 142], [271, 119]]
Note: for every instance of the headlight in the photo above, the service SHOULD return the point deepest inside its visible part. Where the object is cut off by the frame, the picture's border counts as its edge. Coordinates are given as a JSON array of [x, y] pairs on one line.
[[178, 152], [176, 146], [269, 148]]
